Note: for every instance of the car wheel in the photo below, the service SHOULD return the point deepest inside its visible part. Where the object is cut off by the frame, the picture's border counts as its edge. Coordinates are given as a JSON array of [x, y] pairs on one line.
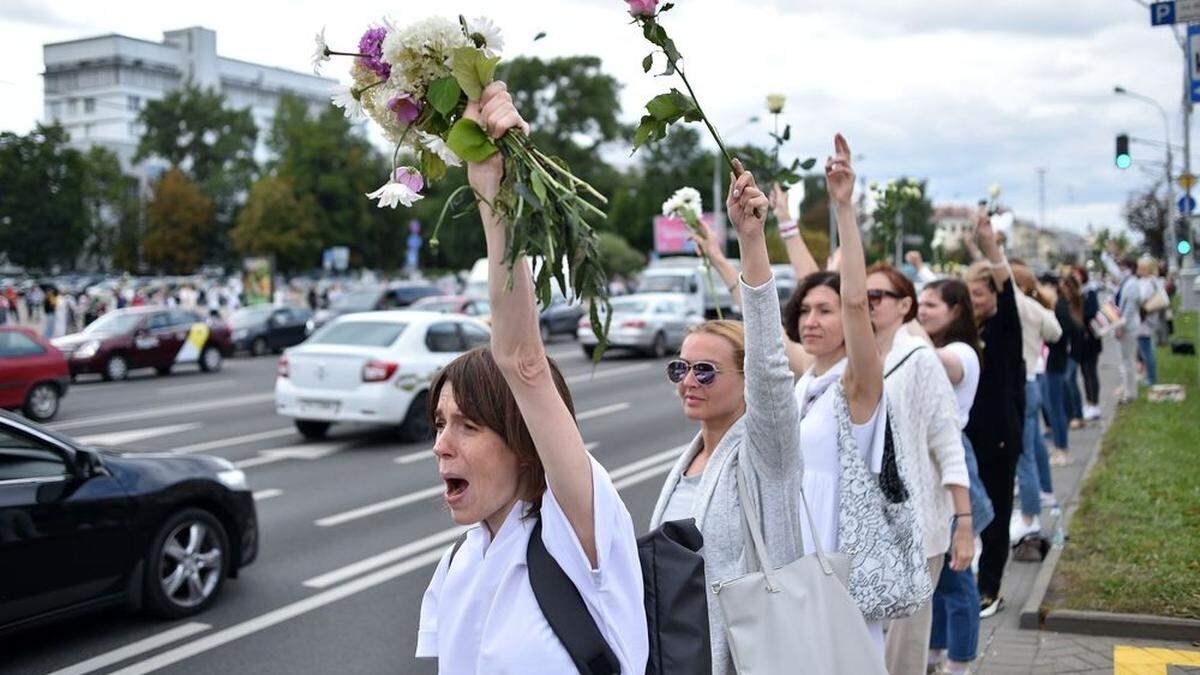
[[116, 368], [416, 425], [258, 347], [211, 359], [163, 370], [312, 430], [658, 348], [186, 564], [41, 403], [545, 329], [589, 350]]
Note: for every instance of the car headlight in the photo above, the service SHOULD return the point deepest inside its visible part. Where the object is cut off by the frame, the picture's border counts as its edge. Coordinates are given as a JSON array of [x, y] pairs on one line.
[[234, 479], [87, 350]]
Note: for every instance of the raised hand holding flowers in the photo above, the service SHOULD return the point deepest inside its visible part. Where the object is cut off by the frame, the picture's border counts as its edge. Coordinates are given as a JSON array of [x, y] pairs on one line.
[[685, 204]]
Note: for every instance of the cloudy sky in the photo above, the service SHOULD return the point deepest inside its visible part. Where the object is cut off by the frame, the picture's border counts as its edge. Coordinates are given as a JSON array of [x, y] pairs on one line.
[[964, 94]]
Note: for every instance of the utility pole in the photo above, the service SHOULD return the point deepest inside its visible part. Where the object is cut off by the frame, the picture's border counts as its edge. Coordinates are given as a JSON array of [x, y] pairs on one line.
[[899, 237], [1042, 197]]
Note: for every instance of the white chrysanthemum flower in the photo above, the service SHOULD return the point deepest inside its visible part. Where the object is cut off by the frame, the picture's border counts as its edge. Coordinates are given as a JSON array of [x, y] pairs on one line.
[[321, 53], [438, 147], [486, 35], [685, 200], [393, 194], [344, 98], [421, 53]]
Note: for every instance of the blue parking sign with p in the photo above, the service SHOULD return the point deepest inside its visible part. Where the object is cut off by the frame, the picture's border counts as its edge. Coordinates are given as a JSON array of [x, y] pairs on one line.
[[1162, 13]]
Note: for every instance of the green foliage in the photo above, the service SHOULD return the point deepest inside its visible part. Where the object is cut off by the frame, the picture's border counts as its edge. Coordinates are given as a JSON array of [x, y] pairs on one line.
[[473, 70], [112, 206], [468, 140], [1146, 212], [274, 221], [906, 197], [814, 218], [43, 219], [179, 219], [617, 256], [444, 94]]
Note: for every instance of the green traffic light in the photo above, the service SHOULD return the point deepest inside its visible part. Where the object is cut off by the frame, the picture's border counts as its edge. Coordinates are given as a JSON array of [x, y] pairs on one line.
[[1184, 247], [1124, 161]]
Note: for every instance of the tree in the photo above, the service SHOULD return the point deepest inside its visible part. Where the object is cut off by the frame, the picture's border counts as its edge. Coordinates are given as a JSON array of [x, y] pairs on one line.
[[814, 217], [112, 207], [43, 221], [905, 197], [274, 222], [179, 219], [618, 257], [1146, 212], [213, 145]]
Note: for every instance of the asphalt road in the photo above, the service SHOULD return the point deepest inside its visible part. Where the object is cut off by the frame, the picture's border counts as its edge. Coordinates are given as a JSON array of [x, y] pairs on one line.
[[351, 527]]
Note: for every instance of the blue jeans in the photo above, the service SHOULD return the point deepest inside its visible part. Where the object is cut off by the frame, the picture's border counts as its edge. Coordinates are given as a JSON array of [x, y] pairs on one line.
[[1056, 405], [1145, 347], [955, 614], [1033, 467], [48, 329], [981, 506], [1074, 399]]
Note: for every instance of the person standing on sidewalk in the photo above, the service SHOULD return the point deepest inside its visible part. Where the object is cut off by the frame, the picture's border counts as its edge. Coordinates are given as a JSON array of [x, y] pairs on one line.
[[1072, 290], [1147, 272], [946, 315], [513, 461], [996, 415], [1129, 298], [1058, 368], [925, 421], [1090, 346]]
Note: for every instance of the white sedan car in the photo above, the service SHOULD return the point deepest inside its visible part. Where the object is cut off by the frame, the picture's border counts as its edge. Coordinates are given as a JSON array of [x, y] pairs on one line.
[[372, 367]]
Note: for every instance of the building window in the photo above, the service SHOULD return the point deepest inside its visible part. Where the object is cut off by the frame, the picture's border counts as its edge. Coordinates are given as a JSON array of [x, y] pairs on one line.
[[133, 102], [72, 106], [55, 110], [133, 129], [89, 106]]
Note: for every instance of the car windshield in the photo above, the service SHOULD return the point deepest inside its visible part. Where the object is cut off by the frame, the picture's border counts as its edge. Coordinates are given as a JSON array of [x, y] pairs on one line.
[[628, 306], [116, 322], [483, 307], [250, 316], [359, 301], [358, 334], [667, 283]]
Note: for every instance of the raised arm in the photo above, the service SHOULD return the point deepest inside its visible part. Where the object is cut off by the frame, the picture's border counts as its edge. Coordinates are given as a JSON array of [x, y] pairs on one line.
[[991, 250], [516, 342], [801, 259], [772, 413], [863, 378], [706, 242]]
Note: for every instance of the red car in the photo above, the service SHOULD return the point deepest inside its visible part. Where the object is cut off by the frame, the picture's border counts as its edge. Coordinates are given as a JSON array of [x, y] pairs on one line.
[[146, 337], [33, 374]]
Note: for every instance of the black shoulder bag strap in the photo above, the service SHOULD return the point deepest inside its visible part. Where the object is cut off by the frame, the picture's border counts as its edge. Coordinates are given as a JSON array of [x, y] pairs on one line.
[[563, 607], [889, 476]]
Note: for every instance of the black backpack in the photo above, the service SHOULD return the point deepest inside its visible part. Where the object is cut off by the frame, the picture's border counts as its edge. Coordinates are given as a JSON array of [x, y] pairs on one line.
[[675, 596]]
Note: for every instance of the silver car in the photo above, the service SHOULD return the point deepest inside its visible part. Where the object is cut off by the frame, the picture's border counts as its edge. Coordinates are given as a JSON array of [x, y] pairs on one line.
[[653, 324]]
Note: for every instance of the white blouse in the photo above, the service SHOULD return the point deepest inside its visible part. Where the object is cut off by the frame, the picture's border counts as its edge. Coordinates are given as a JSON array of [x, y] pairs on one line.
[[479, 615]]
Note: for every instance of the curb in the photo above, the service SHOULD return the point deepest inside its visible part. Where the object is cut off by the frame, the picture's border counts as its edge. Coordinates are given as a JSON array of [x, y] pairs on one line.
[[1085, 622]]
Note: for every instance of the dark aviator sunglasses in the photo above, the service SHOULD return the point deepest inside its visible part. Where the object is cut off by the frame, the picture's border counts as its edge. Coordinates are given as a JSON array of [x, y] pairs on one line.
[[705, 372]]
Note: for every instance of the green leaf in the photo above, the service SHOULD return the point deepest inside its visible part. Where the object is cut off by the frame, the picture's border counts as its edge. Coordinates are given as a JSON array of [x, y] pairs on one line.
[[649, 129], [432, 167], [672, 106], [472, 70], [666, 8], [539, 187], [808, 163], [787, 132], [443, 94], [647, 63], [539, 36], [467, 140]]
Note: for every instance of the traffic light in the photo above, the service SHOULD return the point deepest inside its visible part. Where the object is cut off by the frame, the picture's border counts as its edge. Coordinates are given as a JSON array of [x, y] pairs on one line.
[[1184, 247], [1123, 159]]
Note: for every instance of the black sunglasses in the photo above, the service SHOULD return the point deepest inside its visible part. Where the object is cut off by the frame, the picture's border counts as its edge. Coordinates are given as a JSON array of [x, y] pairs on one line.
[[875, 295], [705, 372]]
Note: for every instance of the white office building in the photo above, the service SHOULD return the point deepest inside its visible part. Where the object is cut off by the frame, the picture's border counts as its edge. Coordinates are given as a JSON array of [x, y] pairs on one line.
[[95, 87]]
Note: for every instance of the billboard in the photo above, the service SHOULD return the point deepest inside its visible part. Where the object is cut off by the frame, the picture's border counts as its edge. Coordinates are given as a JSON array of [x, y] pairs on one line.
[[670, 234]]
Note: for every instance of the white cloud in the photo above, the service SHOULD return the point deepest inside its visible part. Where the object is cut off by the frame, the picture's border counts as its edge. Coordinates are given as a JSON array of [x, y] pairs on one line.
[[965, 94]]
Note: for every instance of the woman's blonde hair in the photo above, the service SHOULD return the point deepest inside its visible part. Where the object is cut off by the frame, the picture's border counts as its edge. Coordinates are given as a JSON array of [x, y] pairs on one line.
[[982, 271], [1147, 267], [734, 332]]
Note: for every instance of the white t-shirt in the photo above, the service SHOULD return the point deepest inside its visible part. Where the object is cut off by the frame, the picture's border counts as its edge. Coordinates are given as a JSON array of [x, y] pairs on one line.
[[964, 391], [481, 616]]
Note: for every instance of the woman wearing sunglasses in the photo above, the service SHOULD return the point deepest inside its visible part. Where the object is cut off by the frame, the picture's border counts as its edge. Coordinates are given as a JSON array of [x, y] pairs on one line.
[[925, 421]]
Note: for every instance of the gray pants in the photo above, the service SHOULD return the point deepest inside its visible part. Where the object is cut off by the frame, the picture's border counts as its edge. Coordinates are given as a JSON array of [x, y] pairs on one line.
[[907, 648]]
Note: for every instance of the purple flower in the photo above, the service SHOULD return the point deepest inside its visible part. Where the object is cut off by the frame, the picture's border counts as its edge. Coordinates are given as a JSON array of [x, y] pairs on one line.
[[408, 177], [371, 44], [406, 108]]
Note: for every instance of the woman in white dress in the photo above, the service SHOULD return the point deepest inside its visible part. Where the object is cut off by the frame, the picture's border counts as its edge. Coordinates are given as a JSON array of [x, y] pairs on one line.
[[514, 465]]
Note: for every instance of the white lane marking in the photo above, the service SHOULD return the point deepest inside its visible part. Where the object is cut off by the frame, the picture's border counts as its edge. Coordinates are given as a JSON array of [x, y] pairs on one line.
[[600, 412], [386, 558], [267, 494], [183, 408], [199, 386], [414, 457], [610, 372], [633, 467], [235, 440], [349, 588], [134, 435], [380, 507], [134, 649], [309, 451], [280, 615], [641, 476]]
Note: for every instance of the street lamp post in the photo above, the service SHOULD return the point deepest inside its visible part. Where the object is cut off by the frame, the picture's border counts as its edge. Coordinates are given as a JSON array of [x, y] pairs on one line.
[[1169, 234]]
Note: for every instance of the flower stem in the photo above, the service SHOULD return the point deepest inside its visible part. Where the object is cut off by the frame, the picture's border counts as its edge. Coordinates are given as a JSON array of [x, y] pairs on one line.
[[572, 177], [712, 130], [330, 52]]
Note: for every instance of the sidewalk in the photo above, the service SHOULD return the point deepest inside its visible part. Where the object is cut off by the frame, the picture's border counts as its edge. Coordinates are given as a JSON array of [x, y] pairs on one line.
[[1006, 649]]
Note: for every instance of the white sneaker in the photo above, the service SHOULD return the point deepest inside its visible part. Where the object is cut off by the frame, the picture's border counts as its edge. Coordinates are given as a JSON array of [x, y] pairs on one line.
[[1049, 501], [1091, 412], [1018, 529]]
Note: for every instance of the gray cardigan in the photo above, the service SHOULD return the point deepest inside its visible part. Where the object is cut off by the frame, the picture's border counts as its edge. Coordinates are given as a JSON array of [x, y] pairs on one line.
[[767, 438]]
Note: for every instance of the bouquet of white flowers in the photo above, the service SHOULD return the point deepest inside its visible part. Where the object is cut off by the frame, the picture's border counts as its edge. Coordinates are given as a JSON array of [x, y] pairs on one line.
[[414, 82], [685, 204]]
